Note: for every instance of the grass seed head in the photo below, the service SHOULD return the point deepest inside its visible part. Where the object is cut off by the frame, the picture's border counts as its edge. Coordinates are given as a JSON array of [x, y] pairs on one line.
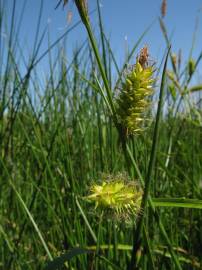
[[133, 100], [116, 196], [191, 66], [163, 8]]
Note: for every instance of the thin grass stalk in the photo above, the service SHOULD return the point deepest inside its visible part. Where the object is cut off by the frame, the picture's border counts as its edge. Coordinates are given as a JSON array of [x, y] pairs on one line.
[[102, 38], [112, 57], [102, 71], [86, 221], [32, 221], [98, 240], [164, 31], [148, 248]]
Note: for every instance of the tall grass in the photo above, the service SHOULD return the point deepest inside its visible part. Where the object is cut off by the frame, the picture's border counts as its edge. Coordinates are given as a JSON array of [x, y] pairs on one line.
[[57, 136]]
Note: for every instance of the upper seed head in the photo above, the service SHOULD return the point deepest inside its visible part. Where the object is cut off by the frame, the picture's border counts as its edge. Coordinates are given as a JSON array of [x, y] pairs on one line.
[[133, 100]]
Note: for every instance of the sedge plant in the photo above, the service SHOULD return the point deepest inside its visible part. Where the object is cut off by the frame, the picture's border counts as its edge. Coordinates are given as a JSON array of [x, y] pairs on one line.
[[60, 131], [130, 83]]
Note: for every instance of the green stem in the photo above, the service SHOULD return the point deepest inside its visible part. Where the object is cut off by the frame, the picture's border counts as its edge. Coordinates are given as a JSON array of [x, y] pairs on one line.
[[101, 69]]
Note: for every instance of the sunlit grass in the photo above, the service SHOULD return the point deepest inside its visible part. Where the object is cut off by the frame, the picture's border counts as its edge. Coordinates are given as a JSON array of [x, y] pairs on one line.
[[59, 135]]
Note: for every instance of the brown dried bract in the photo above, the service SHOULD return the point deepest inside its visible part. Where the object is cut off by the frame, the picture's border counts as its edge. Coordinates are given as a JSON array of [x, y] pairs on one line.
[[144, 57], [163, 8]]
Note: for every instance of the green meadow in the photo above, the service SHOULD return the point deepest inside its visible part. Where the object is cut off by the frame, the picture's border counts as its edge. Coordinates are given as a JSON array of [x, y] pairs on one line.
[[81, 124]]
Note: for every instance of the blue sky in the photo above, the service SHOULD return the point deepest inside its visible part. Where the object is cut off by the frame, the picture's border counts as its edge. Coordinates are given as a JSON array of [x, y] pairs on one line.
[[124, 22]]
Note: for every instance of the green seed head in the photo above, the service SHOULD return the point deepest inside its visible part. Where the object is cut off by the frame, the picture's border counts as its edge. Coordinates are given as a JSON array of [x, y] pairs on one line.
[[191, 67], [133, 100], [116, 196]]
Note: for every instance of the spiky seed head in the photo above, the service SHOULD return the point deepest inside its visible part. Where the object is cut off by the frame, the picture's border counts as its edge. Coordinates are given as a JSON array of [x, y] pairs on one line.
[[116, 196], [133, 100]]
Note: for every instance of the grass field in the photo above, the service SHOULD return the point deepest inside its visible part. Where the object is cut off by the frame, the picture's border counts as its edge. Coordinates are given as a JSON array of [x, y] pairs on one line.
[[61, 135]]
